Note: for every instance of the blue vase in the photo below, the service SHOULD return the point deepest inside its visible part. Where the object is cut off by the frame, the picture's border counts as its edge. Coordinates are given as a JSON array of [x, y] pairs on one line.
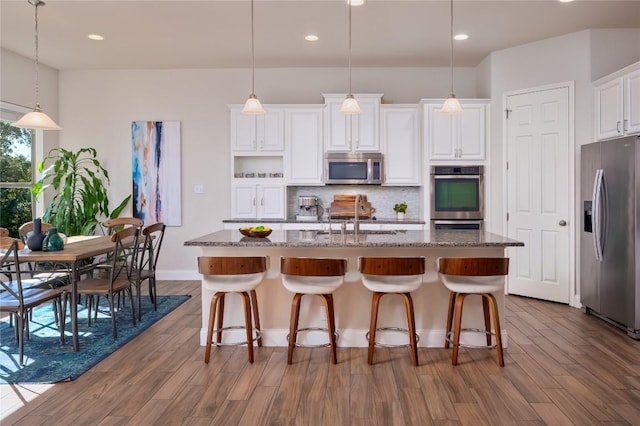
[[53, 241], [35, 240]]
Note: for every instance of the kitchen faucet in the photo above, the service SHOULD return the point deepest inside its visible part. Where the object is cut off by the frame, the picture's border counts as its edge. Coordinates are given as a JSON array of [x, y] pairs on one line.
[[359, 205]]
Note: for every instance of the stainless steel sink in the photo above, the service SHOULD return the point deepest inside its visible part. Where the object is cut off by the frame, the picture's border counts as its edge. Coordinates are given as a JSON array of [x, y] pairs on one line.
[[361, 232]]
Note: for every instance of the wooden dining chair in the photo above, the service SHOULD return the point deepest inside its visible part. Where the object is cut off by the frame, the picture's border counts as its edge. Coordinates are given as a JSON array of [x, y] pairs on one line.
[[119, 223], [4, 232], [118, 280], [145, 270], [17, 300]]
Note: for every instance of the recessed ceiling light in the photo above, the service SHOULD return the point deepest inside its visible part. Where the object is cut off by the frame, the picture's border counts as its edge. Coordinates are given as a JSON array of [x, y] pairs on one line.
[[355, 2], [311, 37], [565, 1], [460, 37], [96, 37]]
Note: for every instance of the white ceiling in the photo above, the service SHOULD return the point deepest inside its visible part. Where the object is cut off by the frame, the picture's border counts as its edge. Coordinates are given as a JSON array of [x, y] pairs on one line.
[[213, 34]]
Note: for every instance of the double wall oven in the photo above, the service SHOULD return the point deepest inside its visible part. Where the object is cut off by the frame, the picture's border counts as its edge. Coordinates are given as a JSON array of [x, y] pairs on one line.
[[457, 197]]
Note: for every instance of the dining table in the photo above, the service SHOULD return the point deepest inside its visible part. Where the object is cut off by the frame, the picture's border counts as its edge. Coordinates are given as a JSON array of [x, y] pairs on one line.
[[76, 250]]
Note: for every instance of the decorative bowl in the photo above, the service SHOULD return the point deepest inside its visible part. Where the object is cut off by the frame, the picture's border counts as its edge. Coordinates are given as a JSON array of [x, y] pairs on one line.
[[255, 234]]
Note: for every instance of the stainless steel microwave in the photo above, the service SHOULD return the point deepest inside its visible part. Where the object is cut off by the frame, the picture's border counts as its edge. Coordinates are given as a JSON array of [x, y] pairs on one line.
[[353, 168]]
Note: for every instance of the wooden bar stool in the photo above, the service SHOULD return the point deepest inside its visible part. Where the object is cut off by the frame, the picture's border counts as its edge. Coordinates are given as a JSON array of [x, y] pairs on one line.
[[312, 276], [473, 275], [392, 275], [233, 275]]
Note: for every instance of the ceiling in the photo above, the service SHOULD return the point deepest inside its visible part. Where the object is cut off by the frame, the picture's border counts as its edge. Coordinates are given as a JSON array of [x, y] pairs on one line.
[[217, 34]]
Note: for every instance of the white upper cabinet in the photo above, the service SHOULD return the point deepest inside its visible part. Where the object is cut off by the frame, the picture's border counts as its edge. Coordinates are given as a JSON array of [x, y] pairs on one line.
[[304, 155], [262, 133], [352, 133], [617, 103], [258, 201], [631, 120], [401, 147], [457, 137]]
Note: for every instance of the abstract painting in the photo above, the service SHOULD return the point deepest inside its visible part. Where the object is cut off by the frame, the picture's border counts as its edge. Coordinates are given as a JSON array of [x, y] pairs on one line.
[[156, 171]]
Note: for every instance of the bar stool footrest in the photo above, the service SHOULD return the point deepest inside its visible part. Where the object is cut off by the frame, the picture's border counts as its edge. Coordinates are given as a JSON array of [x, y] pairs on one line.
[[449, 338], [397, 329], [322, 345], [255, 331]]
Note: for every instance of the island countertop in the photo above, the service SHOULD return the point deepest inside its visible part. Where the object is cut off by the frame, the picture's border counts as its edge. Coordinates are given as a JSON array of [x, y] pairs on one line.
[[366, 238]]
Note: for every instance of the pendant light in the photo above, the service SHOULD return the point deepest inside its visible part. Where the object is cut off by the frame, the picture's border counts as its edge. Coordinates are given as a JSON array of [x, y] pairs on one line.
[[451, 104], [350, 105], [253, 105], [36, 119]]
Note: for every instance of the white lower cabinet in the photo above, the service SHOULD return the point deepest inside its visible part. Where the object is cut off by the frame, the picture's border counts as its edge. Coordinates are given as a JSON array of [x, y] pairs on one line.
[[258, 201]]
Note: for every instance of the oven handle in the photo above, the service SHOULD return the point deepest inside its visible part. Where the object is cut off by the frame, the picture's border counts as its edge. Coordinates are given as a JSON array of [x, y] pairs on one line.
[[456, 176]]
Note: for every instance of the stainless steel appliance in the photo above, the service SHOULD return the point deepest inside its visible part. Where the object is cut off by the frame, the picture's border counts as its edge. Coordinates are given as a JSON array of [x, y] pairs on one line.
[[610, 232], [457, 197], [308, 209], [353, 168]]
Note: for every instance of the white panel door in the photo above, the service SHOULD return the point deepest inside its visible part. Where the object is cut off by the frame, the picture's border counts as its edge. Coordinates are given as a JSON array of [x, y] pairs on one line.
[[538, 193]]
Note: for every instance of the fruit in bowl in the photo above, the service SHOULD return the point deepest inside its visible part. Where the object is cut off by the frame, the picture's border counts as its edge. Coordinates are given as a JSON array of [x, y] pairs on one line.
[[255, 231]]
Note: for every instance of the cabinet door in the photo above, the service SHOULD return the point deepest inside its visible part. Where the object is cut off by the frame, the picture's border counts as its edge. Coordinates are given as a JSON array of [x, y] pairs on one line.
[[243, 201], [401, 145], [270, 130], [337, 128], [439, 133], [632, 102], [471, 132], [365, 132], [270, 200], [243, 131], [609, 109], [304, 158]]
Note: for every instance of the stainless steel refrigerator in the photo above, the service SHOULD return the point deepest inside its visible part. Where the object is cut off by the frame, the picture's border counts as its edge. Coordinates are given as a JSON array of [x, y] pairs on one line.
[[610, 232]]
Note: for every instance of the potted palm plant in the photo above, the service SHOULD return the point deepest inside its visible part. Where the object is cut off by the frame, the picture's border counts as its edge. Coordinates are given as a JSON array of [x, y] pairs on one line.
[[400, 209], [81, 181]]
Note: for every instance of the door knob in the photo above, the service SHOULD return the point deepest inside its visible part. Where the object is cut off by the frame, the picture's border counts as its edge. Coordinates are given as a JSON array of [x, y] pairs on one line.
[[562, 223]]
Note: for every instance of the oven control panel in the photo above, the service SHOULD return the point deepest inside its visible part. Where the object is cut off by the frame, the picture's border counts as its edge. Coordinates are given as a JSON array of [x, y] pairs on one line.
[[457, 170]]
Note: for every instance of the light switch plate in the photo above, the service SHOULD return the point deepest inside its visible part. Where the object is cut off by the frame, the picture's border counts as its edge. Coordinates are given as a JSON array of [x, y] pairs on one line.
[[198, 189]]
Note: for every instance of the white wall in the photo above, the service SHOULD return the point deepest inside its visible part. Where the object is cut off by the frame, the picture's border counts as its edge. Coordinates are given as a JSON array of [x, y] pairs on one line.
[[97, 107], [17, 86], [613, 49]]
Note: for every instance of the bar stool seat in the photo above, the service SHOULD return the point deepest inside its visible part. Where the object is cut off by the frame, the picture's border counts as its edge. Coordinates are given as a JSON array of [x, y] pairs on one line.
[[233, 275], [392, 275], [317, 276], [465, 276]]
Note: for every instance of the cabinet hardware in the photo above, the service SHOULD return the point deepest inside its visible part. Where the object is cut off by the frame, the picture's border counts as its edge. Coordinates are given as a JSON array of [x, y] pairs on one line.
[[625, 126], [618, 126]]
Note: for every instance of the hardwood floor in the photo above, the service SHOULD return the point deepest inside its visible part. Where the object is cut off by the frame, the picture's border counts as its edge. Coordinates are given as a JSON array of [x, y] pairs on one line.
[[561, 368]]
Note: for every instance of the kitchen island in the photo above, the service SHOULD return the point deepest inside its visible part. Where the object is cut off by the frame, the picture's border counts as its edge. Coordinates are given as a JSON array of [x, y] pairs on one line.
[[352, 299]]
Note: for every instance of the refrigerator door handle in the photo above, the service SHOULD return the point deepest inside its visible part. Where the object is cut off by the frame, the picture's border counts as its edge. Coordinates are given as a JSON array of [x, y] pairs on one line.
[[598, 183]]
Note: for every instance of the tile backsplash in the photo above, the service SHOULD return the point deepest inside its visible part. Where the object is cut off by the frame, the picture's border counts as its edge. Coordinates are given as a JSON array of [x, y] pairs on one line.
[[382, 198]]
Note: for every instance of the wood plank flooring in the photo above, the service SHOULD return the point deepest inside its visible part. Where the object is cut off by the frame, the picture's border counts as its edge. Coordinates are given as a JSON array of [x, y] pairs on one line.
[[561, 368]]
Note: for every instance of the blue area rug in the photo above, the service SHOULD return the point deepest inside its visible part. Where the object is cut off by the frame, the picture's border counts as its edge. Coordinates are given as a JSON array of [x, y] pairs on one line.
[[46, 360]]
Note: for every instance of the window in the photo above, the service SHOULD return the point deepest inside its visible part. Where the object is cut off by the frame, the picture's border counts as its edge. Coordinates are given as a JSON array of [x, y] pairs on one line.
[[17, 168]]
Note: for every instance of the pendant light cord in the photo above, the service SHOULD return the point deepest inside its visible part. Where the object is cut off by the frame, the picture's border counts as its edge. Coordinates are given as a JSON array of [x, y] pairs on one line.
[[451, 50], [36, 4], [253, 63], [349, 6]]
